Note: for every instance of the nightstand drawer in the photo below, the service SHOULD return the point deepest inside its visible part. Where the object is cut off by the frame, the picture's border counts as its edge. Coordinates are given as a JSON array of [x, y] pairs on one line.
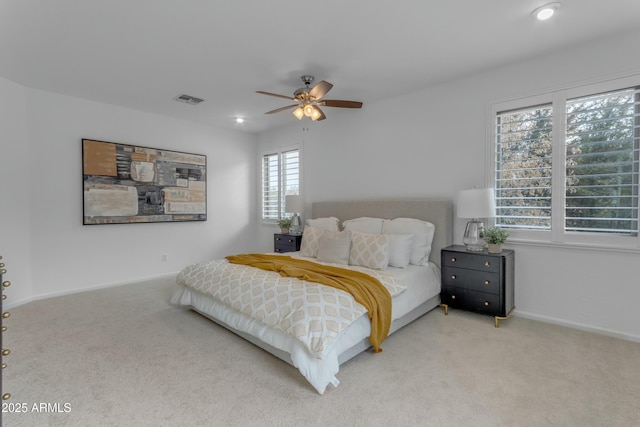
[[471, 279], [286, 243], [481, 302], [465, 299], [472, 260]]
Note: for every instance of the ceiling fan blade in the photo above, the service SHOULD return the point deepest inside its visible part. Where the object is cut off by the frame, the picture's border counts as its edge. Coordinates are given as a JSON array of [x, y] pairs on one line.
[[340, 104], [281, 109], [321, 117], [275, 94], [320, 89]]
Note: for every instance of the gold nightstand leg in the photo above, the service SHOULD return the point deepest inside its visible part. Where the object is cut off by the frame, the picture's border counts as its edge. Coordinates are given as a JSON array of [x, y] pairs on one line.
[[446, 309], [498, 318]]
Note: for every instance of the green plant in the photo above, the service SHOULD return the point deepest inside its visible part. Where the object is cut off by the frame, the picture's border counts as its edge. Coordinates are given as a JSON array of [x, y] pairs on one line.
[[495, 236], [284, 223]]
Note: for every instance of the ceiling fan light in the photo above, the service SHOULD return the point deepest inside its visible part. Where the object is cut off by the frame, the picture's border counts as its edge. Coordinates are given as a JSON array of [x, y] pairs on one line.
[[308, 110], [299, 113], [316, 114]]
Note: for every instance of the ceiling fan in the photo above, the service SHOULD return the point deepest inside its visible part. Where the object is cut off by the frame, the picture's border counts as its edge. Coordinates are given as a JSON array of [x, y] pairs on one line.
[[309, 100]]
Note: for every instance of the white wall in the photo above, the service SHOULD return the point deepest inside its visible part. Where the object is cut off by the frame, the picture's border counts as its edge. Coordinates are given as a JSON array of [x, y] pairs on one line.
[[55, 252], [434, 142], [15, 236]]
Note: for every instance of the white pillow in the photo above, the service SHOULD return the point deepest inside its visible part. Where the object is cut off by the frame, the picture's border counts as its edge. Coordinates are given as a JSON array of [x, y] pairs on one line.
[[334, 247], [364, 225], [422, 236], [369, 250], [310, 241], [400, 249], [330, 223]]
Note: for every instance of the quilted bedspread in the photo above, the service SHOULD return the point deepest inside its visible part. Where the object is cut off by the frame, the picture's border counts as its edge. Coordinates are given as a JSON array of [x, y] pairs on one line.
[[314, 314]]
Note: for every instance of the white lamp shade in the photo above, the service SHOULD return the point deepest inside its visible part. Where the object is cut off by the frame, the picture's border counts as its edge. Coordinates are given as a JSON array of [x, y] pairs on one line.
[[299, 113], [293, 204], [476, 203]]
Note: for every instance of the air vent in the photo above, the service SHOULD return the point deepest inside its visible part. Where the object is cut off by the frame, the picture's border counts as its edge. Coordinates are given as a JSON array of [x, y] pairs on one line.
[[192, 100]]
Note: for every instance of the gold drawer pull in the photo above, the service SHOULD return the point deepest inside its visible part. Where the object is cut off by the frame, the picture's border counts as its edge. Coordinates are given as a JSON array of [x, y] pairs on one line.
[[6, 352], [6, 315], [453, 259], [6, 283], [453, 277], [486, 282], [486, 303], [6, 396]]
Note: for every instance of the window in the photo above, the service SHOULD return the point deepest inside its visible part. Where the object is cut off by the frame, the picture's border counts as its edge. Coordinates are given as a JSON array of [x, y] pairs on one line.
[[601, 140], [523, 168], [280, 177], [566, 165]]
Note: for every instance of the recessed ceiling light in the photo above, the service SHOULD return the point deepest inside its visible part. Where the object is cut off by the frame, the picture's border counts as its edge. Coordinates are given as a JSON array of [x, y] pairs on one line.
[[239, 120], [546, 11]]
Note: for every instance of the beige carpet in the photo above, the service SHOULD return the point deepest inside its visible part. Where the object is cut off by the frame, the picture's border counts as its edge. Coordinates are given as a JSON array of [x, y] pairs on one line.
[[125, 357]]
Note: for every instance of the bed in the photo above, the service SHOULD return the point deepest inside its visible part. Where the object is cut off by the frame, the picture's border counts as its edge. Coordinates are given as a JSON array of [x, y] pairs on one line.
[[415, 288]]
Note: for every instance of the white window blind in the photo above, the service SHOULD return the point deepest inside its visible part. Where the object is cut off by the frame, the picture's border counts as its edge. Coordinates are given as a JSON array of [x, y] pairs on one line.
[[280, 177], [601, 141], [523, 168], [566, 166]]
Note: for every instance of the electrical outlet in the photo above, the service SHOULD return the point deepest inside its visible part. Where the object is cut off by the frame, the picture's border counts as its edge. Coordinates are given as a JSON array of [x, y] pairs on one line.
[[165, 257]]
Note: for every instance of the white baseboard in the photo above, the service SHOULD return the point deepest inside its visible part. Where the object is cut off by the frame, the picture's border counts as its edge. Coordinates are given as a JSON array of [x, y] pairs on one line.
[[580, 326], [92, 288]]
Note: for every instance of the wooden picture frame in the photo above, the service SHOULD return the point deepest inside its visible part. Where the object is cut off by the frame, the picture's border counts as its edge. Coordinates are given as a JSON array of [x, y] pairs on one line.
[[125, 184]]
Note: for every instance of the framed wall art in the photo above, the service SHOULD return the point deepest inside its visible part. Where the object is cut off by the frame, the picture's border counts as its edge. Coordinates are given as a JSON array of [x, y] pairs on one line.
[[124, 184]]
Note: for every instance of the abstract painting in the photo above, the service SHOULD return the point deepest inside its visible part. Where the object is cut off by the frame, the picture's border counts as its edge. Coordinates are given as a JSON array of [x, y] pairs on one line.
[[125, 184]]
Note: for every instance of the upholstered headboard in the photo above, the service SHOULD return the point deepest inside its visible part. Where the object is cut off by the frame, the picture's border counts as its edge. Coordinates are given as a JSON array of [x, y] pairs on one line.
[[439, 212]]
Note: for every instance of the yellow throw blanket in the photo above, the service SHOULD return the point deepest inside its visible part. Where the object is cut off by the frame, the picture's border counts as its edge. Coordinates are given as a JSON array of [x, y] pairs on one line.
[[366, 290]]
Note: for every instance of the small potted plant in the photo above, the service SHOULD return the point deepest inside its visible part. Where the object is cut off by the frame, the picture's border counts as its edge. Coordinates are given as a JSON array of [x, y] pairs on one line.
[[495, 238], [284, 225]]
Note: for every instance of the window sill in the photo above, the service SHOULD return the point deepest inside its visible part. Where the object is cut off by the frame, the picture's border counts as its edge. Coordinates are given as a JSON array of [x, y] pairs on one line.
[[573, 245]]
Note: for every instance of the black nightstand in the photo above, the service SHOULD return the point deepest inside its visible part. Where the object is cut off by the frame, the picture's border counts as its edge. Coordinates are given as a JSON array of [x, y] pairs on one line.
[[478, 281], [286, 242]]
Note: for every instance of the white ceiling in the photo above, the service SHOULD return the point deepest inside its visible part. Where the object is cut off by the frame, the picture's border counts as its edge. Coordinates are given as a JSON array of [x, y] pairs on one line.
[[143, 53]]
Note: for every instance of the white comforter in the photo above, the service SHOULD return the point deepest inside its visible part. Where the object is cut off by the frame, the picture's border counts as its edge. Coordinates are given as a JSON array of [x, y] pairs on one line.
[[423, 283], [313, 313]]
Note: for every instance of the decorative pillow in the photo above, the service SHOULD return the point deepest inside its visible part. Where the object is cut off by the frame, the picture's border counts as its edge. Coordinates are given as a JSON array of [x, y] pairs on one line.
[[330, 223], [364, 225], [369, 250], [400, 249], [310, 241], [422, 236], [334, 247]]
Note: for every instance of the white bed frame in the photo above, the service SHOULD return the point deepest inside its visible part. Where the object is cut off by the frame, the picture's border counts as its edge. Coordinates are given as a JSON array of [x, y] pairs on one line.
[[437, 211]]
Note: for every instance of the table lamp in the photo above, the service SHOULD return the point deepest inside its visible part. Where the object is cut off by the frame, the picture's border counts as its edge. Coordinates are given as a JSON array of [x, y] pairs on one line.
[[295, 205], [475, 204]]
